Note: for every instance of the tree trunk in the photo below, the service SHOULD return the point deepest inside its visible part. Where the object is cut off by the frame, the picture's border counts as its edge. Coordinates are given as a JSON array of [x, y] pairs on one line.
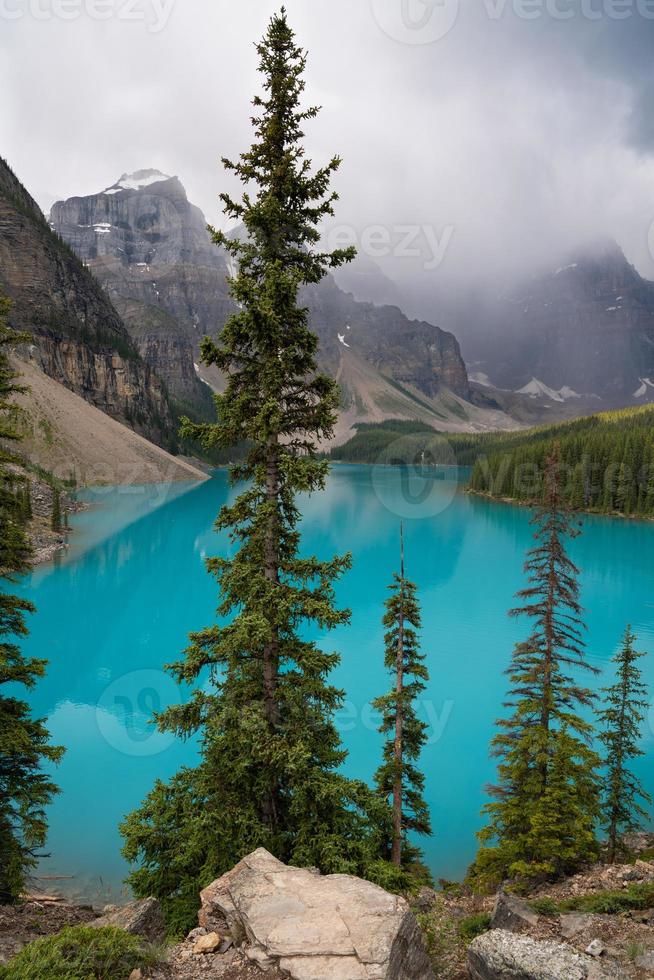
[[549, 652], [396, 853], [271, 572]]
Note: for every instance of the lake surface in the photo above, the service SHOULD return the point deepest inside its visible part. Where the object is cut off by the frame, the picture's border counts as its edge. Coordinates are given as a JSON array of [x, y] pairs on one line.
[[120, 603]]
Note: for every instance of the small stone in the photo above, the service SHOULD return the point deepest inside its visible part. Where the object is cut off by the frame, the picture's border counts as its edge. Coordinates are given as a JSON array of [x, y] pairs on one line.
[[595, 948], [136, 975], [197, 932], [226, 944], [208, 943]]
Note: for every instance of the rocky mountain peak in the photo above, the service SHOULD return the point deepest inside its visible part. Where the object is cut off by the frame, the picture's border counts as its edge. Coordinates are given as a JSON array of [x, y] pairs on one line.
[[138, 180], [585, 326]]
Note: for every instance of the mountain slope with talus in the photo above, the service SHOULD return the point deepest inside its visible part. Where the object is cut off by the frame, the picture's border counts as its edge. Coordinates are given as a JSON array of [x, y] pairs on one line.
[[74, 440], [79, 338]]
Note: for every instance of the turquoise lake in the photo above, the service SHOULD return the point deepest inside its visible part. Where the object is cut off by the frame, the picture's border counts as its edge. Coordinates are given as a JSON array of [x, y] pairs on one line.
[[120, 603]]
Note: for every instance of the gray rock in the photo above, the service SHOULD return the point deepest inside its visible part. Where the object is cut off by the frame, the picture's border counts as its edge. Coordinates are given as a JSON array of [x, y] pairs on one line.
[[314, 927], [425, 899], [513, 914], [574, 923], [645, 961], [142, 918], [502, 955], [595, 948], [638, 841]]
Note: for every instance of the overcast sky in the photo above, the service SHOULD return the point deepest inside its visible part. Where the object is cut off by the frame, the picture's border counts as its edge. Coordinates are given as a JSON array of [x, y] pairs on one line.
[[503, 133]]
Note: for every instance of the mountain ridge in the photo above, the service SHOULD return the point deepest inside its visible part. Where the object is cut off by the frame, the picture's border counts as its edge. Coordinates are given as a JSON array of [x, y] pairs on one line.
[[149, 247], [587, 326]]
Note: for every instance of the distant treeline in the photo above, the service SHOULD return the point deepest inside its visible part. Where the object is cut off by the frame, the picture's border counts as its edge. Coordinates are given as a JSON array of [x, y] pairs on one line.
[[606, 460], [606, 463]]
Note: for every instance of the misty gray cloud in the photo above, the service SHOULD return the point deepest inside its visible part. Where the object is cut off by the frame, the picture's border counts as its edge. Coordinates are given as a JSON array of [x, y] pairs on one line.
[[512, 137]]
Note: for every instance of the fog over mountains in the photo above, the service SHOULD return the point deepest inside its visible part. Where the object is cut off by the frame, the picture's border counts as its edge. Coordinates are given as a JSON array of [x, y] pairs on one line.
[[523, 135], [570, 340]]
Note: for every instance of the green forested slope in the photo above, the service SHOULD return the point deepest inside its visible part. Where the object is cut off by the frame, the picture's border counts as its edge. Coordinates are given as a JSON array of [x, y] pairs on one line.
[[607, 459], [607, 462]]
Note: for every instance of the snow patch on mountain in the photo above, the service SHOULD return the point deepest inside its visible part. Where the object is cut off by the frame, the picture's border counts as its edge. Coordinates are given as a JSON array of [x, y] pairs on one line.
[[645, 383], [136, 181], [341, 337], [480, 378], [538, 389]]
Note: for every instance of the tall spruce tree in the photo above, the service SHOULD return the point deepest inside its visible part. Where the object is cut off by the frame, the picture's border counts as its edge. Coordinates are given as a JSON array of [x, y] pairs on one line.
[[623, 710], [543, 746], [25, 789], [398, 778], [270, 752]]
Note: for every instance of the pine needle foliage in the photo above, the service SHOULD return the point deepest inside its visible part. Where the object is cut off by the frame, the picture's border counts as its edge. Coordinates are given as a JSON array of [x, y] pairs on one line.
[[623, 709], [270, 752], [398, 778], [25, 789], [545, 805]]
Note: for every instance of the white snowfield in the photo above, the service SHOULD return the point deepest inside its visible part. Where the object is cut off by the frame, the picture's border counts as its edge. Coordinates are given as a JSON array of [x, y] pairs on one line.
[[481, 379], [137, 181], [538, 389], [645, 383]]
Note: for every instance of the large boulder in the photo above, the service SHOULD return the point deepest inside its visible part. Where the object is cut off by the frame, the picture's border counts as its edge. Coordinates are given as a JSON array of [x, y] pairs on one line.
[[502, 955], [142, 918], [314, 927]]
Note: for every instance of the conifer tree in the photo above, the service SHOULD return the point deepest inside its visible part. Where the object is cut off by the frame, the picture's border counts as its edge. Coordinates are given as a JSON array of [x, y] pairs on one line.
[[543, 746], [55, 517], [25, 790], [622, 712], [270, 752], [398, 777]]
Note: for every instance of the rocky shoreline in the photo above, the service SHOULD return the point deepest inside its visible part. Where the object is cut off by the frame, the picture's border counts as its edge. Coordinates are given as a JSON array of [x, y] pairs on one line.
[[46, 542], [266, 921]]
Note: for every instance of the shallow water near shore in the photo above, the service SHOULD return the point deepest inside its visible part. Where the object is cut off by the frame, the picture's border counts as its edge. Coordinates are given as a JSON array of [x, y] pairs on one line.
[[120, 603]]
